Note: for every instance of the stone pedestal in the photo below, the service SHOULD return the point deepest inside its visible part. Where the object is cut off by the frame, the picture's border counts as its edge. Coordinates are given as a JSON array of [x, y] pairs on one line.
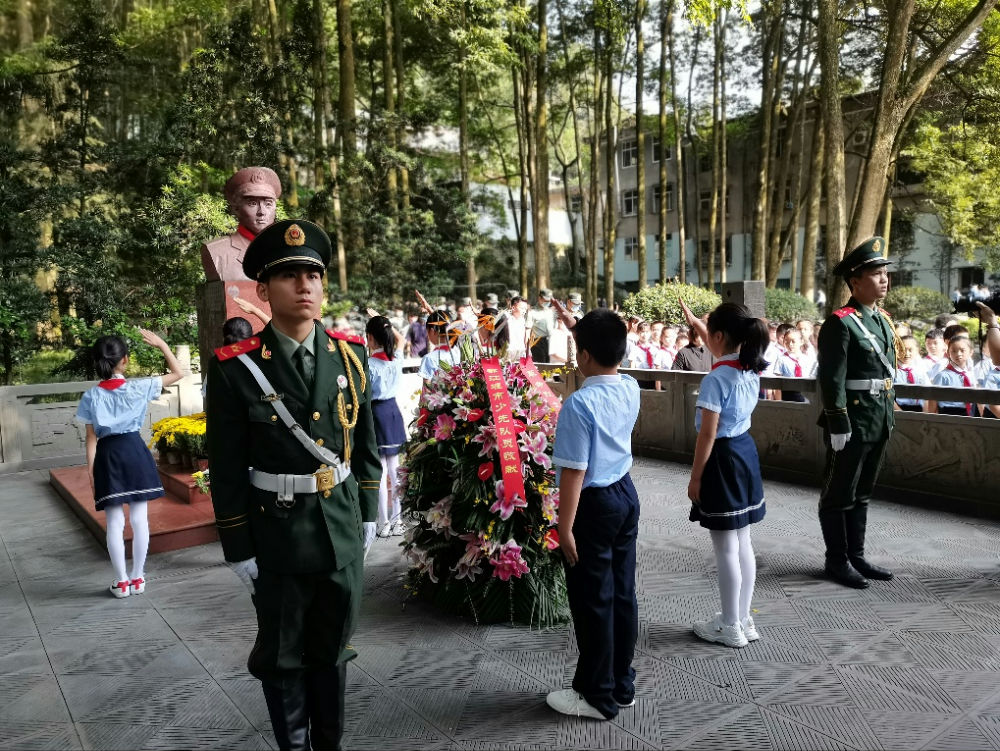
[[749, 293], [215, 304]]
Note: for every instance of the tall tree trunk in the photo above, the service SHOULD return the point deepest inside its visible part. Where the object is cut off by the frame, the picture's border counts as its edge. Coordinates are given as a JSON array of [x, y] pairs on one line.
[[770, 95], [354, 241], [522, 159], [287, 156], [696, 156], [320, 96], [713, 216], [681, 191], [723, 152], [666, 18], [640, 140], [611, 207], [397, 36], [808, 276], [389, 111], [540, 204], [595, 172], [463, 144], [833, 177]]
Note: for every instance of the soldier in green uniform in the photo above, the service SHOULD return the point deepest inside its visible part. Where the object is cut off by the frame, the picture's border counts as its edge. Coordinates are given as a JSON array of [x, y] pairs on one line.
[[295, 477], [857, 363]]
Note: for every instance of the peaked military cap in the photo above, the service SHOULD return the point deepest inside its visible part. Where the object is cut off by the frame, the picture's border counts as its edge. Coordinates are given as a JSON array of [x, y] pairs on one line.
[[575, 297], [545, 293], [288, 242], [868, 254], [492, 298]]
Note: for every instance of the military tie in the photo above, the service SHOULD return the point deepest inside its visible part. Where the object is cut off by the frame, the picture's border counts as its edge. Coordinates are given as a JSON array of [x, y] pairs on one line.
[[302, 365]]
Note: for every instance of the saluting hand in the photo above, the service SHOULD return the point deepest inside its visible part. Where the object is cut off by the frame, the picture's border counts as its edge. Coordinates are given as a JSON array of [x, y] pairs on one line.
[[153, 340]]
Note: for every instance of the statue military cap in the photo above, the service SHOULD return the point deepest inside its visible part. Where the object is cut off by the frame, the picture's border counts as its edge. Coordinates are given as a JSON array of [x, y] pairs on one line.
[[576, 298], [260, 182], [288, 242], [868, 254], [492, 299]]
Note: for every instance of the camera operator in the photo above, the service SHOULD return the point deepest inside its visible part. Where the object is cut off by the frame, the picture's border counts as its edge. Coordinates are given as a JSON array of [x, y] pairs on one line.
[[988, 318]]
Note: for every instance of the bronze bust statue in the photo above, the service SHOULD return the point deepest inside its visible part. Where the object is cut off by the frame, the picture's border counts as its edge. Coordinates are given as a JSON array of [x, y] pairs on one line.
[[252, 194]]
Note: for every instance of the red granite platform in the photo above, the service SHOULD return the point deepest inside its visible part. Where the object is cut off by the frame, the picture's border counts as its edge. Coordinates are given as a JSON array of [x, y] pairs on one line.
[[174, 522]]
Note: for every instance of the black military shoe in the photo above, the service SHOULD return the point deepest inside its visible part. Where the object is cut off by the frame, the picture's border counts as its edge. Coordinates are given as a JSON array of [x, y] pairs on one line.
[[844, 573], [870, 570]]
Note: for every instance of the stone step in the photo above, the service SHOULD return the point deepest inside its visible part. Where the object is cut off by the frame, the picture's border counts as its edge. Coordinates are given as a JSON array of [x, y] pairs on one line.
[[174, 522]]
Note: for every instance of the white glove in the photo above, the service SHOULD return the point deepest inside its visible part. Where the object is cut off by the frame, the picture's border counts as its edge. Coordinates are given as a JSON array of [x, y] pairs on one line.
[[368, 532], [839, 440], [247, 571]]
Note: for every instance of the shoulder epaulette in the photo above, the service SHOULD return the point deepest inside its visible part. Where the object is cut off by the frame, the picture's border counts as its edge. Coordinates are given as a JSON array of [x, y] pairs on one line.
[[351, 338], [844, 312], [885, 312], [240, 348]]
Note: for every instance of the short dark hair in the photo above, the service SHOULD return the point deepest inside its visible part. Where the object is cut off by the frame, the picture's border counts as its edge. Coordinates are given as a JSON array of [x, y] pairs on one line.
[[236, 329], [956, 329], [934, 334], [603, 334]]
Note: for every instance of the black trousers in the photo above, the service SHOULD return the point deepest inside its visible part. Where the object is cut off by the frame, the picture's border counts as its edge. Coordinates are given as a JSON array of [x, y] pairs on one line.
[[601, 588], [851, 473], [540, 350]]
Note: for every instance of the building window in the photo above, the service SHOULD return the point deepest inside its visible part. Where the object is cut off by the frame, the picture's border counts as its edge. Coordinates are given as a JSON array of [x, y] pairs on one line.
[[655, 208], [779, 149], [705, 201], [631, 248], [576, 203], [630, 152], [630, 202], [718, 253], [705, 163], [668, 152]]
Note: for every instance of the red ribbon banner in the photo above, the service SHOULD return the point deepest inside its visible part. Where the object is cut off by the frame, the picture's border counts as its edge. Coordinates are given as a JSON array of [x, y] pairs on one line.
[[538, 382], [503, 420]]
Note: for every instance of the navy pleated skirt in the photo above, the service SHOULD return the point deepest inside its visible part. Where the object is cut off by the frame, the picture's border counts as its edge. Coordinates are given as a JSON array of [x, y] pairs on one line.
[[732, 494], [389, 431], [124, 471]]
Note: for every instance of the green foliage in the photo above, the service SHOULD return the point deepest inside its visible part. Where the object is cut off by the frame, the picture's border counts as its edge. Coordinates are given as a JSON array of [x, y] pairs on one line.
[[921, 303], [41, 366], [961, 169], [660, 302], [787, 306], [22, 308]]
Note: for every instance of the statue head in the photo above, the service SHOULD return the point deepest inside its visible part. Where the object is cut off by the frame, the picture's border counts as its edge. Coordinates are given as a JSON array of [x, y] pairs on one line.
[[252, 194]]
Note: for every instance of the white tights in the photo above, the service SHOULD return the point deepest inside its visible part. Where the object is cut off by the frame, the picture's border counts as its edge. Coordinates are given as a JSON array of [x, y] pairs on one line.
[[388, 508], [115, 516], [737, 572]]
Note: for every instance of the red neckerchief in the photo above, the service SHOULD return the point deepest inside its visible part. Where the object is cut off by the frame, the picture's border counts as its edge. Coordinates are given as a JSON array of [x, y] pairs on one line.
[[112, 383], [440, 347], [381, 355], [909, 374], [246, 233], [798, 368], [649, 354], [965, 382], [728, 363]]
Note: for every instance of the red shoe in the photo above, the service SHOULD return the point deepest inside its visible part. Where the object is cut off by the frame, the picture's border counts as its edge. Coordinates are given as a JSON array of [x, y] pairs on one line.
[[121, 589], [138, 586]]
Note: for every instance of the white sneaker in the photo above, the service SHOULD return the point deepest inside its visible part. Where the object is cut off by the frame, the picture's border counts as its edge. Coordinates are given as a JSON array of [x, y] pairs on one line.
[[716, 631], [398, 529], [567, 701], [121, 589], [749, 629], [386, 530]]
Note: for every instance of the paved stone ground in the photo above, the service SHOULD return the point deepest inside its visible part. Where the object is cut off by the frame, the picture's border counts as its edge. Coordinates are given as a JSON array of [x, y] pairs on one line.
[[912, 663]]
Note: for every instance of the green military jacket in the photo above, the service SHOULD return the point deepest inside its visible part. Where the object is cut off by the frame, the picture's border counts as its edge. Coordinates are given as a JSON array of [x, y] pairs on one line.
[[321, 531], [845, 353]]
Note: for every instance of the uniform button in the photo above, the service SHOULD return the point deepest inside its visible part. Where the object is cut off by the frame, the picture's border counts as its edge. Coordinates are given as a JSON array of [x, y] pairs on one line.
[[326, 493], [319, 441], [274, 418], [262, 509], [315, 415]]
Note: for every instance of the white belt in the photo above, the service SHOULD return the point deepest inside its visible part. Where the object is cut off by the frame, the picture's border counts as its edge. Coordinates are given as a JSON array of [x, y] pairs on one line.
[[286, 486], [871, 385]]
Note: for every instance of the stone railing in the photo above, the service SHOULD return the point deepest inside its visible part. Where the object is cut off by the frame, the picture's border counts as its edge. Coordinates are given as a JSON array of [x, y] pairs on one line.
[[942, 460], [37, 429]]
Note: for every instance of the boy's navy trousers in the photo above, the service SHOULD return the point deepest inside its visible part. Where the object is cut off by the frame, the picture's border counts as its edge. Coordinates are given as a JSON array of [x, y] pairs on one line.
[[601, 588]]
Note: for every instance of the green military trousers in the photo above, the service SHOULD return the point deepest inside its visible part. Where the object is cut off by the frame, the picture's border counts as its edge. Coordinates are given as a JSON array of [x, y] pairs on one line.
[[304, 621], [850, 474]]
